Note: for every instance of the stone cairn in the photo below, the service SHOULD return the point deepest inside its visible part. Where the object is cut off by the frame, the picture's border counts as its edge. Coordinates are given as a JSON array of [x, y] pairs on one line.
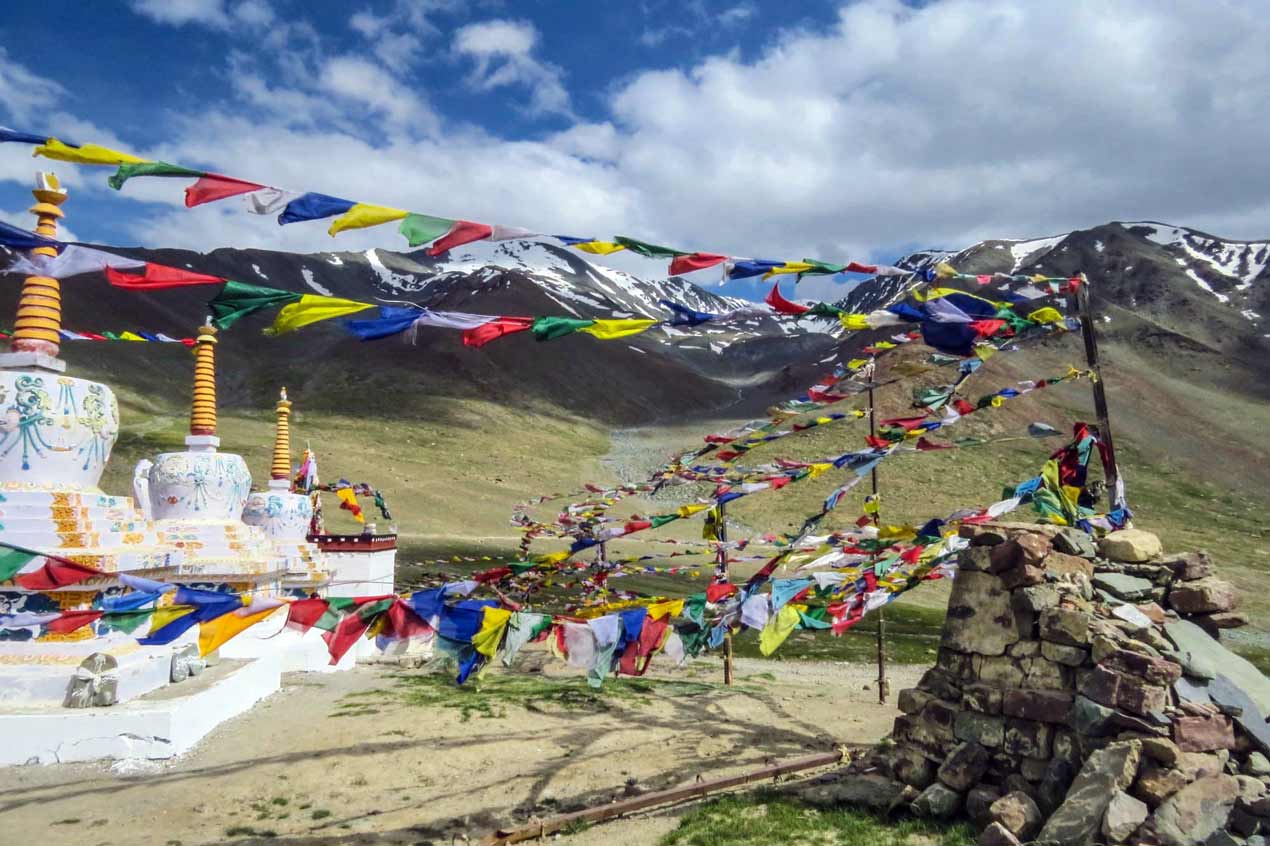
[[1080, 697]]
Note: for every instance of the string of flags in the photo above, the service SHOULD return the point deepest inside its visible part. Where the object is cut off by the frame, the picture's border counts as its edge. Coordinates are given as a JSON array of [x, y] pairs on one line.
[[106, 335]]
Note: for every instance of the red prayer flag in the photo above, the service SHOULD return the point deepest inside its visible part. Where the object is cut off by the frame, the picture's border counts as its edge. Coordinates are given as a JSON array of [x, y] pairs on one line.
[[856, 267], [905, 422], [212, 186], [962, 407], [403, 623], [694, 261], [925, 446], [73, 620], [782, 305], [496, 328], [876, 442], [56, 573], [718, 590], [987, 328], [158, 276], [303, 613], [462, 232]]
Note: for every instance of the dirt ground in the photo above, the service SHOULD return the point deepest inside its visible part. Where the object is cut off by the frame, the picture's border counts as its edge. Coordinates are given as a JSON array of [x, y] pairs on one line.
[[343, 759]]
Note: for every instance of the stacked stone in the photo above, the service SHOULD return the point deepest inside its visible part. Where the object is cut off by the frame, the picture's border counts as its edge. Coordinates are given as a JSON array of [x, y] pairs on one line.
[[1074, 702]]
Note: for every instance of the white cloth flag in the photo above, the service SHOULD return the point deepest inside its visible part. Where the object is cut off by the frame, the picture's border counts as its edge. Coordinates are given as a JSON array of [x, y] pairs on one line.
[[509, 233], [73, 261], [269, 200], [942, 311]]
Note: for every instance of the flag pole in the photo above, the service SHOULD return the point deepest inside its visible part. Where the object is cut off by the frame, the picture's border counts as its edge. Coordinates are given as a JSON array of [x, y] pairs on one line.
[[1079, 301], [721, 570], [883, 685]]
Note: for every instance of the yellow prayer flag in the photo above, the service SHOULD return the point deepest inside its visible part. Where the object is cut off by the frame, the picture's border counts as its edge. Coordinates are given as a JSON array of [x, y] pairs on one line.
[[551, 558], [854, 321], [311, 309], [669, 607], [130, 336], [815, 471], [789, 267], [985, 351], [1046, 315], [944, 270], [857, 363], [89, 154], [905, 532], [779, 627], [691, 509], [493, 624], [362, 215], [165, 614], [213, 634], [599, 248], [884, 345], [608, 330]]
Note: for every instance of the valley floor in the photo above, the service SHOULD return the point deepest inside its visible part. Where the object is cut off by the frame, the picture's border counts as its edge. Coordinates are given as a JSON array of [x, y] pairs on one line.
[[384, 755]]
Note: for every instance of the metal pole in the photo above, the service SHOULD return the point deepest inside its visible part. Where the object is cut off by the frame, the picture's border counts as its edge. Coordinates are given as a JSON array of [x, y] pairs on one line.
[[883, 686], [721, 569], [1080, 302]]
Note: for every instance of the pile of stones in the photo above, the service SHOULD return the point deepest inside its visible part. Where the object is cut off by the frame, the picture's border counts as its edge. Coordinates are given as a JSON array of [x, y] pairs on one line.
[[1081, 696]]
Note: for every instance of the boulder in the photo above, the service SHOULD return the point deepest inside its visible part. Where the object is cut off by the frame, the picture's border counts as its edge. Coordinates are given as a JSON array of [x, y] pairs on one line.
[[1203, 596], [1203, 734], [1026, 550], [1075, 542], [1054, 784], [1216, 622], [1108, 770], [1159, 671], [1189, 566], [1134, 617], [964, 766], [1196, 811], [1130, 546], [1258, 764], [1233, 701], [1120, 690], [980, 619], [1023, 575], [1128, 588], [1161, 750], [1035, 599], [911, 766], [982, 729], [1018, 814], [938, 802], [982, 698], [1123, 816], [1066, 626], [1027, 738], [1091, 718], [912, 700], [1157, 782]]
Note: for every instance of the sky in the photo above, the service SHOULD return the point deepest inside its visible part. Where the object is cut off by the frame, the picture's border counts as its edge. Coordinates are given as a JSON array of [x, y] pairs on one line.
[[780, 130]]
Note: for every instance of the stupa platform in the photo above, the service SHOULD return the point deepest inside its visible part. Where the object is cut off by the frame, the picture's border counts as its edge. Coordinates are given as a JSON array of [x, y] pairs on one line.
[[38, 673], [162, 724]]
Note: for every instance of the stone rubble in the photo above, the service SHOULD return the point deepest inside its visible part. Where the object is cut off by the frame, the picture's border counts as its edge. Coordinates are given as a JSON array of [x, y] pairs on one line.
[[1080, 696]]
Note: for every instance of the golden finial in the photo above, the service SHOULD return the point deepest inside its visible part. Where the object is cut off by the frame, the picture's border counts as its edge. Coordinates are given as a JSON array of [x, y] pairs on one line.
[[281, 468], [203, 412], [40, 305]]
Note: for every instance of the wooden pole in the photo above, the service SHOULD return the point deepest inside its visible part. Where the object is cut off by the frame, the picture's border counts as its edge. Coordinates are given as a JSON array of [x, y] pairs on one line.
[[1079, 301], [649, 800], [884, 688], [722, 569]]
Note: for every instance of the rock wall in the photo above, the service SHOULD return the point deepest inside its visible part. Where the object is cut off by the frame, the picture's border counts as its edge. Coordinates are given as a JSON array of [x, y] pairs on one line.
[[1079, 697]]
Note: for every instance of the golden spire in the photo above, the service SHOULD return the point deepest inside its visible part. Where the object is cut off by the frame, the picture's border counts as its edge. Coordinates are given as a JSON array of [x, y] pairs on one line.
[[281, 469], [40, 305], [203, 412]]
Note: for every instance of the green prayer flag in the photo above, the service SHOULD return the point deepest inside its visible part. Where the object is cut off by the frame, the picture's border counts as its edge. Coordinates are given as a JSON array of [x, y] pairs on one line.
[[814, 619], [550, 328], [419, 229], [821, 268], [660, 520], [239, 299], [646, 249], [824, 310], [12, 561], [128, 170], [127, 621]]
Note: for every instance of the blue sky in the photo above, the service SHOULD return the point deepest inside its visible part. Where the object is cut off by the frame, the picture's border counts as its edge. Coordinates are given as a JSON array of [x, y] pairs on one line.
[[848, 130]]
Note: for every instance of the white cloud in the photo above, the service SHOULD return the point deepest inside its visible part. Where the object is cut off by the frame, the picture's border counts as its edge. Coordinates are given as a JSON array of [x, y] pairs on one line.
[[935, 125], [503, 52], [181, 12], [23, 219], [24, 94]]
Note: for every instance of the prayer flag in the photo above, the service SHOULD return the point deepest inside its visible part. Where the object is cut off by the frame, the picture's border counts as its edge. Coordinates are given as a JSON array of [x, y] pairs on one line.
[[311, 308], [239, 299], [313, 206], [497, 327], [599, 248], [689, 262], [782, 305], [550, 328], [13, 135], [362, 215], [211, 187], [143, 168], [419, 229], [648, 250], [87, 154], [462, 232], [16, 238], [158, 276], [608, 330], [214, 633]]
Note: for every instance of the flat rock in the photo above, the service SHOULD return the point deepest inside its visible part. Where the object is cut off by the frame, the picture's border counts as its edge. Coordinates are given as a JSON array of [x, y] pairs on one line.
[[980, 619], [1199, 809], [964, 766], [1228, 696], [1128, 588], [876, 792], [997, 835], [1258, 764], [1130, 546], [1137, 620], [1062, 564], [1075, 542], [1066, 626], [1046, 706], [1157, 782], [978, 800], [983, 729], [1124, 815], [1203, 734], [1202, 657], [1189, 566]]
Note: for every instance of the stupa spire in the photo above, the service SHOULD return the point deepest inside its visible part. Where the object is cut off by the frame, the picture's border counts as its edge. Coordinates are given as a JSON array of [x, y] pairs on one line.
[[40, 305], [281, 469], [203, 410]]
